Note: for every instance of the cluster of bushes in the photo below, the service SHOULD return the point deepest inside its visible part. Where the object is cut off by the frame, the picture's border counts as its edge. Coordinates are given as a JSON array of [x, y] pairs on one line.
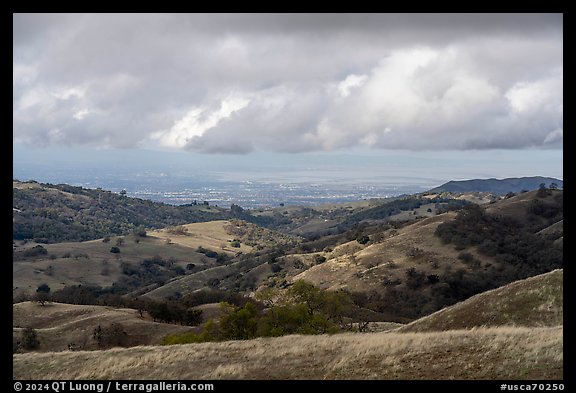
[[504, 238], [256, 236], [384, 210], [169, 311], [155, 270], [547, 210], [394, 206], [206, 296], [178, 230], [173, 312], [28, 340], [220, 257], [33, 252], [303, 309], [109, 336]]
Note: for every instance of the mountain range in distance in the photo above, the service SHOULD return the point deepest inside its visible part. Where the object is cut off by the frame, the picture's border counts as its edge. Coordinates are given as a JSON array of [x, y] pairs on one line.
[[497, 186]]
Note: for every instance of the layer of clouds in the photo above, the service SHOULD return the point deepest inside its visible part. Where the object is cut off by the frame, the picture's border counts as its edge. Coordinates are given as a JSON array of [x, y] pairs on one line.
[[290, 83]]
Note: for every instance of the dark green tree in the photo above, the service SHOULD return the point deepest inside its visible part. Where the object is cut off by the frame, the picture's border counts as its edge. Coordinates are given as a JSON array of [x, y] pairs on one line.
[[42, 294], [239, 323]]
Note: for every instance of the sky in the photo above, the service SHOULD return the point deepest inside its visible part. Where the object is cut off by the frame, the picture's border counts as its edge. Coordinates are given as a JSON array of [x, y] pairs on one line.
[[264, 84]]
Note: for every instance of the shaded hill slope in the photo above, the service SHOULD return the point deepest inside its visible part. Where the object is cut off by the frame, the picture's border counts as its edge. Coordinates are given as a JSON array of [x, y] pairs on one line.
[[536, 301]]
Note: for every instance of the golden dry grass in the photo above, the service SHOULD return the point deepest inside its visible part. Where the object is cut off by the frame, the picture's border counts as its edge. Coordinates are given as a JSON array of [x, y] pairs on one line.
[[363, 268], [210, 235], [24, 186], [485, 353], [28, 274]]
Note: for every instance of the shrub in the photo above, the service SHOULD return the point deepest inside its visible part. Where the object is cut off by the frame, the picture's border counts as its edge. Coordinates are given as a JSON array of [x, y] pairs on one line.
[[114, 250], [43, 288], [179, 270], [178, 230], [466, 257], [139, 232], [319, 259], [110, 336], [433, 278], [29, 339], [35, 251]]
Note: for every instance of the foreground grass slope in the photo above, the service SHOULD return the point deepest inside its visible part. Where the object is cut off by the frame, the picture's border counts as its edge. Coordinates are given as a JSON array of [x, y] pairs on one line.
[[486, 353]]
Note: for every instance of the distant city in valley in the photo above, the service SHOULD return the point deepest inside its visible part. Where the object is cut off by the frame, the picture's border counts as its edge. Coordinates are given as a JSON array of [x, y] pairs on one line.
[[269, 179], [178, 190]]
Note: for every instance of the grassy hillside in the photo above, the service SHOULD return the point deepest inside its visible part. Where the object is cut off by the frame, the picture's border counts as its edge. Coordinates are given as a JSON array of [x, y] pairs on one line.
[[92, 263], [59, 325], [222, 235], [495, 353], [536, 301], [418, 268], [55, 213]]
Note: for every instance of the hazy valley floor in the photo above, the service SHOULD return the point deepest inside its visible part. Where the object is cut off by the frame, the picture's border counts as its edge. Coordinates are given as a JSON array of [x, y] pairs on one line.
[[482, 353]]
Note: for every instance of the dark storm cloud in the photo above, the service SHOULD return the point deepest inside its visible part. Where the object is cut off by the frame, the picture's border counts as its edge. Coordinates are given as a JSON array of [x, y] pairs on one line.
[[235, 83]]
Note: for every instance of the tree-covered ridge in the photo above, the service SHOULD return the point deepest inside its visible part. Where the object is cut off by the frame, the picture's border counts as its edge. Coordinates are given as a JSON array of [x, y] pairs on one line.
[[397, 205], [513, 242], [55, 213]]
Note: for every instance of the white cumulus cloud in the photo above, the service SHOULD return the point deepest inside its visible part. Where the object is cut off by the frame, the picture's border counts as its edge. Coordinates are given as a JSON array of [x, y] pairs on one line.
[[291, 83]]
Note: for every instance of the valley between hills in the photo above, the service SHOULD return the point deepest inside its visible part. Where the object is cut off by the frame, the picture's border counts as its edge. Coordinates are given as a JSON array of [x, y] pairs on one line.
[[439, 285]]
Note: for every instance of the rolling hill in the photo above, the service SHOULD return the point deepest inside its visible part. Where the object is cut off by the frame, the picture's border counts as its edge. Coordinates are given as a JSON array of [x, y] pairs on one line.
[[497, 186], [445, 275], [55, 213], [92, 263], [534, 302], [471, 340], [59, 325], [415, 269]]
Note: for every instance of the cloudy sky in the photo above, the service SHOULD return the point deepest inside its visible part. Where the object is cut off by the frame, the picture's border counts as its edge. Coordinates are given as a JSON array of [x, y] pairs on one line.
[[283, 83]]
